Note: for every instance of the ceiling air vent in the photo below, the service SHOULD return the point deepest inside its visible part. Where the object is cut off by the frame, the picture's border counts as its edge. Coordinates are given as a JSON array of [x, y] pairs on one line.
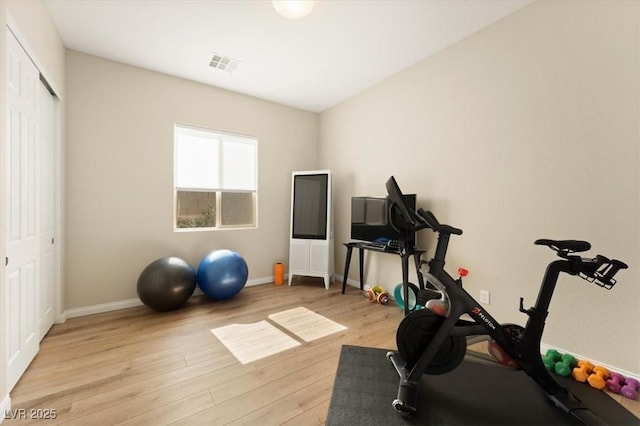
[[224, 63]]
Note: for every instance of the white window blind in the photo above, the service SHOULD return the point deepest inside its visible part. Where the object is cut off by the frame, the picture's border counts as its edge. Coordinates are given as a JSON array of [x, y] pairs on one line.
[[211, 161]]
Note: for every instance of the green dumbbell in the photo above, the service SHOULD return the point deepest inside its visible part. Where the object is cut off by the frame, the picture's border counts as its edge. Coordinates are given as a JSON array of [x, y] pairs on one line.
[[565, 365], [550, 358]]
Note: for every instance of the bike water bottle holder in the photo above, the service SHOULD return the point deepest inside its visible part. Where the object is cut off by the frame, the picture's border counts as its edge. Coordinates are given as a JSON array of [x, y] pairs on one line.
[[604, 271]]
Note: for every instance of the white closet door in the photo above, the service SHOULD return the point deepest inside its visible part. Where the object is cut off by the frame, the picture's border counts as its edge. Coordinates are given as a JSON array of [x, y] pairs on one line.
[[47, 210], [23, 220]]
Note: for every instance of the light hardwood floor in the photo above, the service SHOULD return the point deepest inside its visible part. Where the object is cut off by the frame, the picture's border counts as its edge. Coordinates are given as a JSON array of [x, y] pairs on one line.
[[136, 366]]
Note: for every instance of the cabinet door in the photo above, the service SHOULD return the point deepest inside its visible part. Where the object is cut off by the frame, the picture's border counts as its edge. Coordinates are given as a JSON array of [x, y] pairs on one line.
[[319, 257], [299, 255]]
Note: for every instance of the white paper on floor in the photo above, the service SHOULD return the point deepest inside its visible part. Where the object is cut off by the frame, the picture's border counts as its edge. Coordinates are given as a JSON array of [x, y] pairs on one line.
[[306, 324], [251, 342]]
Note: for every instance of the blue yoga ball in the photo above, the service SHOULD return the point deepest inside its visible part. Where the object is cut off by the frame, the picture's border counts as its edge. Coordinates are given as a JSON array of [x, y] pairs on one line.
[[166, 283], [222, 274]]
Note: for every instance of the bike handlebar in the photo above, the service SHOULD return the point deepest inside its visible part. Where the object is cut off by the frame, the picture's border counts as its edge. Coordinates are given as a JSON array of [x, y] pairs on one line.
[[415, 220], [604, 271], [599, 269], [433, 223], [395, 195]]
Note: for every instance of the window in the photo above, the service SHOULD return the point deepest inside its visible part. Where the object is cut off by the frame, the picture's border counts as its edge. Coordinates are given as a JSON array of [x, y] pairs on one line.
[[215, 179]]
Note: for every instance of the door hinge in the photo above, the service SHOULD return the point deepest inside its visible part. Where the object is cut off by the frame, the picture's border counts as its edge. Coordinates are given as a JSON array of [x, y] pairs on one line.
[[6, 261]]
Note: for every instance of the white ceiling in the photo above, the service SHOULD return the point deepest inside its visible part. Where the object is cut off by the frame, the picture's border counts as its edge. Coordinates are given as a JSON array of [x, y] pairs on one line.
[[342, 48]]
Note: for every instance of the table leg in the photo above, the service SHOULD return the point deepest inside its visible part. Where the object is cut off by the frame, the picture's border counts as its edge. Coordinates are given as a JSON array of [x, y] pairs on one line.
[[346, 268], [361, 253]]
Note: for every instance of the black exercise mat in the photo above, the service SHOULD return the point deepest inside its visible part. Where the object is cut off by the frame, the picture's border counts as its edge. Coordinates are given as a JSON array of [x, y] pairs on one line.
[[473, 394]]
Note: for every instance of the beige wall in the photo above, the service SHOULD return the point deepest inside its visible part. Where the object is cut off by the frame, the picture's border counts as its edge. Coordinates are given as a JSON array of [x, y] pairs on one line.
[[119, 166], [527, 129], [32, 24]]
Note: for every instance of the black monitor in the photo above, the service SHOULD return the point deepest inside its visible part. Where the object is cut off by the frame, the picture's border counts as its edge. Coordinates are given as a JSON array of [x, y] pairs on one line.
[[310, 206], [370, 220]]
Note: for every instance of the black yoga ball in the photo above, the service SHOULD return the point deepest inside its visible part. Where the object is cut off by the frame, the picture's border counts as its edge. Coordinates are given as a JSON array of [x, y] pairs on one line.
[[166, 284]]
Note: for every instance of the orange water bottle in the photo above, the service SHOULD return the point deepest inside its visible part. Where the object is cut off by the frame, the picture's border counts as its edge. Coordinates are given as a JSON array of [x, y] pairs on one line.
[[278, 273]]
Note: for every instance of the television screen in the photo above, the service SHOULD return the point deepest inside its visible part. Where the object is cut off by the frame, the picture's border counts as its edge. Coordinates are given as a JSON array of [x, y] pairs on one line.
[[370, 219], [310, 206]]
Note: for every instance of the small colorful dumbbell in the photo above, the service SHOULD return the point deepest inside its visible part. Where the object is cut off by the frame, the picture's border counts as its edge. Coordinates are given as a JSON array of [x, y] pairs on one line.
[[598, 378], [550, 358], [561, 364], [582, 372], [630, 388], [377, 294], [565, 365], [615, 383]]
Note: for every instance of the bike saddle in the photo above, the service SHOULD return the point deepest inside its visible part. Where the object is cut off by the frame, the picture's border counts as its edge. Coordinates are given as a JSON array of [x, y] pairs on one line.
[[566, 246]]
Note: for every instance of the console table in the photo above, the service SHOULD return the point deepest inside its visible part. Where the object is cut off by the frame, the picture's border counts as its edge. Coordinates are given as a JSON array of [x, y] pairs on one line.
[[404, 255]]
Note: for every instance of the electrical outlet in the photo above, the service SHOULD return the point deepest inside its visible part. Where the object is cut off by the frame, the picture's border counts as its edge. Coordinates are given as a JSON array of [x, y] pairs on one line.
[[485, 297]]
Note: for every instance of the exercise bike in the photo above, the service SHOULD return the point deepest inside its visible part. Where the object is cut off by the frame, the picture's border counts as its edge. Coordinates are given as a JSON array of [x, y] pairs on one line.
[[434, 340]]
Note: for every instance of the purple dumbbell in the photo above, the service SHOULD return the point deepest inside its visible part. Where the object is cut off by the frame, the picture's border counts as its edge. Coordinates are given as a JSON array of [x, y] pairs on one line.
[[630, 388], [615, 382]]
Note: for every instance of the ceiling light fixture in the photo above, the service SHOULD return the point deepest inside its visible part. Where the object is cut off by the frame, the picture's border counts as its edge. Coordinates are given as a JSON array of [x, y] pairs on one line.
[[293, 9]]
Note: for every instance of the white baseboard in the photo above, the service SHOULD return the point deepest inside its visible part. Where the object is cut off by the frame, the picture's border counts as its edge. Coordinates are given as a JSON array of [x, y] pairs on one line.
[[351, 282], [98, 309], [5, 406], [264, 280], [130, 303], [60, 318]]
